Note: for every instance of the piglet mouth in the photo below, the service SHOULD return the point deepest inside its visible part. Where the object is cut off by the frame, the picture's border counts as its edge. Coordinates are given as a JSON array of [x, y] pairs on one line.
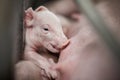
[[53, 49]]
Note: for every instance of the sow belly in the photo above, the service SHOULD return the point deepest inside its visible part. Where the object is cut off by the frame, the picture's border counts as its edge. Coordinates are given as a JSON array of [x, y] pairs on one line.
[[89, 61]]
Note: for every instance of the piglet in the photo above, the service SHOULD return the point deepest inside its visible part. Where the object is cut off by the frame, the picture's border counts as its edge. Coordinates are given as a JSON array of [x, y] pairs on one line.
[[43, 32]]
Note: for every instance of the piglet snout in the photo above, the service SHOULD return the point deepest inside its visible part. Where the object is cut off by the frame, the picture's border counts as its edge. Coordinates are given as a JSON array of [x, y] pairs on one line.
[[62, 46], [65, 44]]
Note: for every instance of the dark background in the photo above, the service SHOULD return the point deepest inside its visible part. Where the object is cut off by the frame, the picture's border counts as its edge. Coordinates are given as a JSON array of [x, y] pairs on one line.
[[12, 33]]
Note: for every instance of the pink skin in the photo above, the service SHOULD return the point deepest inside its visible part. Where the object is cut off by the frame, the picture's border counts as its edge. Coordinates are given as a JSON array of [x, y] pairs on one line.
[[43, 30], [87, 57], [42, 19]]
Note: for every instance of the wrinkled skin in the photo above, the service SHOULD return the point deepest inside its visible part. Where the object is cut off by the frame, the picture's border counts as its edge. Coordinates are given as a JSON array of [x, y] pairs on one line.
[[43, 32], [87, 57]]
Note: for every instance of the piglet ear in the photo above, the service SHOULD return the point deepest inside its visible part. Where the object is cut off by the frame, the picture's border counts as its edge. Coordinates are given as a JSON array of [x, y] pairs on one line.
[[41, 8], [29, 17]]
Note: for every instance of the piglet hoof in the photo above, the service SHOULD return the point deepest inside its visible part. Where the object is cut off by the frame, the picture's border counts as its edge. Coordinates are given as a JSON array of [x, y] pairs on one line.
[[53, 72], [48, 71]]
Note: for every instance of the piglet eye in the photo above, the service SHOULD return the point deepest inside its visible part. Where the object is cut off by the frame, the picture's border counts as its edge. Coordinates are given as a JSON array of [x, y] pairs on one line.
[[46, 29]]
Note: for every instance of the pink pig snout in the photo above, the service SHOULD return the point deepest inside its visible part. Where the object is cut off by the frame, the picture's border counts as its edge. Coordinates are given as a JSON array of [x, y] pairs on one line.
[[62, 45], [65, 44]]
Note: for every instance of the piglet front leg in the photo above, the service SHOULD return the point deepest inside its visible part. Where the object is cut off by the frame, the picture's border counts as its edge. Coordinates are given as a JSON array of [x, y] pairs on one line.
[[44, 64]]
